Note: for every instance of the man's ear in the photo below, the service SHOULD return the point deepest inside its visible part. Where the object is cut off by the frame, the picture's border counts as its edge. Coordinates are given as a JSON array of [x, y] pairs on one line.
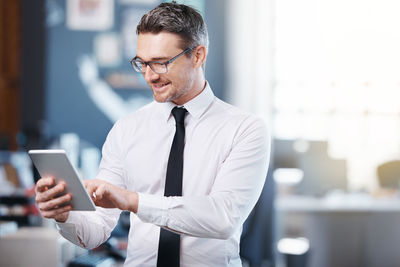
[[199, 55]]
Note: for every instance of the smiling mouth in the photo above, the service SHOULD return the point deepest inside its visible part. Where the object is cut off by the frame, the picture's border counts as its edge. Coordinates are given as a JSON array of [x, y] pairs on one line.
[[160, 86]]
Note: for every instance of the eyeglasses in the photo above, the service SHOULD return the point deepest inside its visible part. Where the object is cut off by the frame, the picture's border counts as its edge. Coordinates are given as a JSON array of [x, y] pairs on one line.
[[156, 66]]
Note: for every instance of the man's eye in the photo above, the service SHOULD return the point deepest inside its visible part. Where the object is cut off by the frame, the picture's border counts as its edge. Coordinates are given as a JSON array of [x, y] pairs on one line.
[[157, 65]]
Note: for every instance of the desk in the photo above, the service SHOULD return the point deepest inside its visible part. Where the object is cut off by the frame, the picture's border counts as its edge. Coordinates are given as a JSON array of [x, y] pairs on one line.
[[344, 230]]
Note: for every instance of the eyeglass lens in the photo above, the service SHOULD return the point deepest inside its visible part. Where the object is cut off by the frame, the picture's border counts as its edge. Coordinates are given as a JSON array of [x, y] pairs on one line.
[[155, 66]]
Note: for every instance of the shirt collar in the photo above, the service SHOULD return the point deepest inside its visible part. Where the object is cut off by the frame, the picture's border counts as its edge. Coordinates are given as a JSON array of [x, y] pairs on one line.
[[195, 107]]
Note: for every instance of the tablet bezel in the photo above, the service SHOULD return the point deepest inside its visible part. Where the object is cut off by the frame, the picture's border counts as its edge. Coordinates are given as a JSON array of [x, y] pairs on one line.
[[55, 163]]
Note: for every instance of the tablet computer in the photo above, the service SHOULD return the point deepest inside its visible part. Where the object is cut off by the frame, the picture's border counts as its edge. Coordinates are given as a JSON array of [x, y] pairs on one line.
[[55, 163]]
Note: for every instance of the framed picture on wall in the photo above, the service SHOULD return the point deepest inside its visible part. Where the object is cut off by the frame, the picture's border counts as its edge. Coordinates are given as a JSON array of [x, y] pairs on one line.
[[91, 15]]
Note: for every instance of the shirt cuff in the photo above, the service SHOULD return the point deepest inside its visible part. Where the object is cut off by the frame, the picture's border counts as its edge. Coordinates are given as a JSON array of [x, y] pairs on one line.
[[68, 230]]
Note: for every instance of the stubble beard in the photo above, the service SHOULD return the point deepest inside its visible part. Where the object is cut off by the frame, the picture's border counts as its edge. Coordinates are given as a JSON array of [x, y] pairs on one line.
[[175, 95]]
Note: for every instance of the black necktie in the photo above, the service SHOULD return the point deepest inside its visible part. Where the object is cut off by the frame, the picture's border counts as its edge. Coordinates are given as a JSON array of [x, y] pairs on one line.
[[169, 245]]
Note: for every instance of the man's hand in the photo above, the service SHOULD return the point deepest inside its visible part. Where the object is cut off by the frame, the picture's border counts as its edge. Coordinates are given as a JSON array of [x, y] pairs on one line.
[[107, 195], [51, 199]]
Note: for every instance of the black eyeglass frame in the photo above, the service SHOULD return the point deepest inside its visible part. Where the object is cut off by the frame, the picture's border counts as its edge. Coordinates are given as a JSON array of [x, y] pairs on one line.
[[165, 63]]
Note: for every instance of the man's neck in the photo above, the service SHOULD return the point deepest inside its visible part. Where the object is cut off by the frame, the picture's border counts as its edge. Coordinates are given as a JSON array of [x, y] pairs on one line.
[[197, 88]]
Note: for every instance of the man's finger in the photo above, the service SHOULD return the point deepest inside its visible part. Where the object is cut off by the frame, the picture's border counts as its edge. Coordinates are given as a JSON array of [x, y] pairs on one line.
[[53, 213], [90, 188], [43, 184], [100, 191], [54, 203], [50, 193]]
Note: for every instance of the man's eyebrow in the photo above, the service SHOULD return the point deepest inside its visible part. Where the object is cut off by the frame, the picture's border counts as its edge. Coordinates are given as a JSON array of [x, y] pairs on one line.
[[153, 59], [160, 58]]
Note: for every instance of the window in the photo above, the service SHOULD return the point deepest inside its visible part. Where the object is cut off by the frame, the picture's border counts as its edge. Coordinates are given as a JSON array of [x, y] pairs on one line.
[[337, 66]]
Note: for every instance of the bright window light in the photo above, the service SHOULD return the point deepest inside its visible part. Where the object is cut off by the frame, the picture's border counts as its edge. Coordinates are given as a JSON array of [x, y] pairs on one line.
[[337, 66], [288, 176], [293, 246]]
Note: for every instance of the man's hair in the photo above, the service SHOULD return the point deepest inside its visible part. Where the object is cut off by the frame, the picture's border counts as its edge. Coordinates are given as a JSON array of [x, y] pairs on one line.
[[176, 18]]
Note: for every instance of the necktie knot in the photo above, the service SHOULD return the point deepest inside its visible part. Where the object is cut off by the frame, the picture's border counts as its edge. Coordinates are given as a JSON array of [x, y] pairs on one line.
[[179, 114]]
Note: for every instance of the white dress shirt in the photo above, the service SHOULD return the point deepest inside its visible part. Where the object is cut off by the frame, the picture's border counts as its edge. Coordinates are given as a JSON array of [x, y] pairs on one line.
[[226, 157]]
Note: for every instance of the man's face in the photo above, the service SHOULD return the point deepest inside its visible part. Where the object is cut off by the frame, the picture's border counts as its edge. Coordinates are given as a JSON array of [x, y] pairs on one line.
[[177, 84]]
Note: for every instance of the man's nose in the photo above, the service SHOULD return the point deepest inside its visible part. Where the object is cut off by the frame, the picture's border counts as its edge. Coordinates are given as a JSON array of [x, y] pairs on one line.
[[150, 75]]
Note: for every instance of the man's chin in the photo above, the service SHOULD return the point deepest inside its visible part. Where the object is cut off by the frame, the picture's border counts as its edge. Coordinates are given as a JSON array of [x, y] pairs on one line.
[[160, 99]]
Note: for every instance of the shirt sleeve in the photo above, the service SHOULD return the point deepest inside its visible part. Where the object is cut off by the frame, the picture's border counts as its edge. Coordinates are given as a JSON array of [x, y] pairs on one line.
[[89, 229], [236, 190]]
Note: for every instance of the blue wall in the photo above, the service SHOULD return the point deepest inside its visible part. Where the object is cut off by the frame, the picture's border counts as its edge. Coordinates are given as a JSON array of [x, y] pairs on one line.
[[68, 106]]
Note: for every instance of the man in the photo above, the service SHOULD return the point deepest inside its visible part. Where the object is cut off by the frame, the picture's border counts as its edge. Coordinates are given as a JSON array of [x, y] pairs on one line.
[[190, 178]]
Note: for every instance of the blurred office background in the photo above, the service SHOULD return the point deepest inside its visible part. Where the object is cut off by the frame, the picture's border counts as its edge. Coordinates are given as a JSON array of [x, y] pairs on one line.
[[323, 74]]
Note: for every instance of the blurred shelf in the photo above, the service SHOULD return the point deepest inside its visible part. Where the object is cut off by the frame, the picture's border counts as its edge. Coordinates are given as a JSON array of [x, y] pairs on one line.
[[15, 200]]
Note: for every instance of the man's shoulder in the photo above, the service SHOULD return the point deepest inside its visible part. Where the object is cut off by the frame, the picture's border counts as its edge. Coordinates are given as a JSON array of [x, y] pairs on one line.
[[247, 126], [135, 118], [240, 119], [229, 111]]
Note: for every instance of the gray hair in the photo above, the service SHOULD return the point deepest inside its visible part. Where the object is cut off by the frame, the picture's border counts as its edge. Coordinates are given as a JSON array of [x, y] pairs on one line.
[[176, 18]]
